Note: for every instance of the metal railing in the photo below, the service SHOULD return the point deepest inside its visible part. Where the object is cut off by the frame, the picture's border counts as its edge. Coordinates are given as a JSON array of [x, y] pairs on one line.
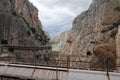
[[72, 62], [99, 63]]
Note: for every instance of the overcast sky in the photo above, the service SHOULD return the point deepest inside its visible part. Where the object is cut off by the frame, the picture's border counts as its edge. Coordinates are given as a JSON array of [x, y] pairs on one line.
[[57, 15]]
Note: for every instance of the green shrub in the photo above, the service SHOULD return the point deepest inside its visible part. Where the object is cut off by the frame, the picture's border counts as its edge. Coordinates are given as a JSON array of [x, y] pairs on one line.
[[111, 27], [117, 8], [113, 33], [14, 13], [28, 33], [33, 30], [56, 53], [114, 25]]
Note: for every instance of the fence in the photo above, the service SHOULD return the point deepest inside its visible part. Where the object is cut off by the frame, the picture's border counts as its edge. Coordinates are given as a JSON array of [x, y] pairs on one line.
[[42, 56], [69, 62], [72, 62]]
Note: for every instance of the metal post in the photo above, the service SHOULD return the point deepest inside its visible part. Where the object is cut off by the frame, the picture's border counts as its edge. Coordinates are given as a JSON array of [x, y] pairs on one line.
[[35, 67], [107, 66], [68, 62], [35, 62], [56, 73]]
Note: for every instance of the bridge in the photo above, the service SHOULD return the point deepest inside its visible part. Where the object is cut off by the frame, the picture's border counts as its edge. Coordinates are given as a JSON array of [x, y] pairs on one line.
[[35, 63], [29, 72]]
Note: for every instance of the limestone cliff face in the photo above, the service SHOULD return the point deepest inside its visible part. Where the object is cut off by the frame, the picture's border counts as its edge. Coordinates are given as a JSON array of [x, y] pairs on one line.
[[58, 43], [19, 24], [98, 25], [94, 31]]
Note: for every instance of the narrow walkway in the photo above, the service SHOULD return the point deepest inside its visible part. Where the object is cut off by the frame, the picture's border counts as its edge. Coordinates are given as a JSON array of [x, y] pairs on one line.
[[33, 72], [28, 72]]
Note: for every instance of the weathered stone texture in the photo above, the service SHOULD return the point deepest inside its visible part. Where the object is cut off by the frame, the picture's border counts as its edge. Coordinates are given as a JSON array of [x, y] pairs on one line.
[[19, 24], [94, 30]]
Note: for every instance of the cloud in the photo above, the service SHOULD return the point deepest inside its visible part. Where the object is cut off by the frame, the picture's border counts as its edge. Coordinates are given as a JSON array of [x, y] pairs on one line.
[[57, 15]]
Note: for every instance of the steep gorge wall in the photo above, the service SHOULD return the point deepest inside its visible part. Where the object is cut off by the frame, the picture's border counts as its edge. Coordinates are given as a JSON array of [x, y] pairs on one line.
[[94, 32], [59, 41], [19, 24], [96, 26]]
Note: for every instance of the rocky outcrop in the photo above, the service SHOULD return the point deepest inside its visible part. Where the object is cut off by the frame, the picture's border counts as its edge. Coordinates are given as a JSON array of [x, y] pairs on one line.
[[20, 27], [94, 32], [19, 24], [59, 41]]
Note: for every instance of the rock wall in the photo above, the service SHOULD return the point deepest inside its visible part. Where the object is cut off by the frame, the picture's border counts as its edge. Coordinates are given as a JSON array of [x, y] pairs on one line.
[[94, 32], [19, 24], [59, 41], [96, 26]]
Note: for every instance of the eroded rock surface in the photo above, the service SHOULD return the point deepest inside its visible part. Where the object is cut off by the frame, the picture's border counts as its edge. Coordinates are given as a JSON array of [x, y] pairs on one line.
[[94, 31], [19, 24], [59, 41]]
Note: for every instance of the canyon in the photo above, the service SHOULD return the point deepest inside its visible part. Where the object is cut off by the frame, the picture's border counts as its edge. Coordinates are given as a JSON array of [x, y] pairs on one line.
[[95, 33]]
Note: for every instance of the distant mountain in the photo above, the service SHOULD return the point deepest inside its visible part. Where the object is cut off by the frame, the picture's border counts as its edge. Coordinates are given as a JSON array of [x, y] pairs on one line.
[[58, 42]]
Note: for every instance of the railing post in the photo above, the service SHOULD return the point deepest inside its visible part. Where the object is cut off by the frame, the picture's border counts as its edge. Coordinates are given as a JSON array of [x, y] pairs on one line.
[[57, 78], [68, 62], [107, 67], [35, 62]]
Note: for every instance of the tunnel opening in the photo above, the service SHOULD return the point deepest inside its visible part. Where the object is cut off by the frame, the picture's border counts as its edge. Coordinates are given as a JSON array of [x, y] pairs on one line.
[[11, 49], [89, 53], [4, 41]]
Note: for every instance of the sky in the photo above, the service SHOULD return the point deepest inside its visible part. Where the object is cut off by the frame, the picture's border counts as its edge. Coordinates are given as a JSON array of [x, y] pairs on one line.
[[57, 16]]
